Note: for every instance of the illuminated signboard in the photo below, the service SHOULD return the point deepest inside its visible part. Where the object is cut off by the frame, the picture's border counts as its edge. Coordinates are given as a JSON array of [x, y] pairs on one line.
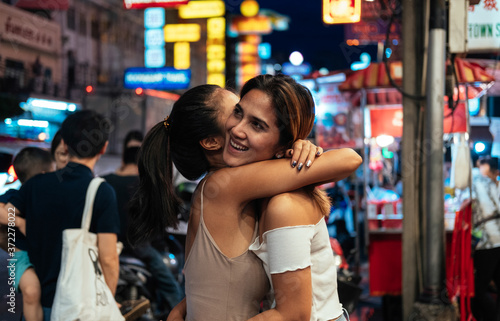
[[202, 9], [251, 25], [484, 28], [265, 50], [166, 78], [341, 11], [154, 58], [153, 38], [142, 4], [154, 18], [216, 51], [302, 69], [182, 32], [182, 55]]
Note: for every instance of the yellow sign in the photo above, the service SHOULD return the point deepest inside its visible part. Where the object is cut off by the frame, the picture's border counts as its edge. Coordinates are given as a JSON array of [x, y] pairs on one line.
[[216, 51], [182, 55], [216, 28], [217, 79], [341, 11], [189, 32], [202, 9]]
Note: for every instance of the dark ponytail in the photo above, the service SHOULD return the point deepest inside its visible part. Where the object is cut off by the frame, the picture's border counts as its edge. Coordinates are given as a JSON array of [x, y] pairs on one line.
[[155, 205]]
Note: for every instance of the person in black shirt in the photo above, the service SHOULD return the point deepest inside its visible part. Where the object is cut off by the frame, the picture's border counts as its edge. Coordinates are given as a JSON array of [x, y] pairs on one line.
[[30, 161], [54, 202], [125, 182]]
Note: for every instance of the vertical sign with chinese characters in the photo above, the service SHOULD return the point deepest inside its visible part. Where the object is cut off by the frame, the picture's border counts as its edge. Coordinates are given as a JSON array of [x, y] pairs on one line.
[[154, 43], [216, 51]]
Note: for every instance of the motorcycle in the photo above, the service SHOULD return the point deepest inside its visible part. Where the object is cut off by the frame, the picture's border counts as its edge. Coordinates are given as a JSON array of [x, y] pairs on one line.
[[136, 281]]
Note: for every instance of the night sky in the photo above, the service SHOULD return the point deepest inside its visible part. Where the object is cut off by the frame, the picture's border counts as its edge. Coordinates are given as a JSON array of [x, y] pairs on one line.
[[320, 44]]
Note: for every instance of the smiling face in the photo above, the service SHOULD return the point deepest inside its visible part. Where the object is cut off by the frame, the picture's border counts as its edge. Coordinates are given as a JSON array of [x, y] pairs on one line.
[[251, 131]]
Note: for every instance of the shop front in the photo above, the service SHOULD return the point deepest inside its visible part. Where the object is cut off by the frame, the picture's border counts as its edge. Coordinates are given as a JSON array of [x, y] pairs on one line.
[[381, 106]]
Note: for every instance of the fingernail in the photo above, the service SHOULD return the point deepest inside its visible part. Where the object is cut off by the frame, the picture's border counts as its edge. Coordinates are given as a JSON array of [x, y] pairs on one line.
[[294, 163], [318, 152], [300, 166], [308, 163]]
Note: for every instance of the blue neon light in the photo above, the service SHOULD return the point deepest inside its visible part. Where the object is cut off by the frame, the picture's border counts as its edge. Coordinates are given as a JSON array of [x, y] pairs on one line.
[[154, 58], [156, 78], [154, 18], [364, 62], [153, 38], [265, 50]]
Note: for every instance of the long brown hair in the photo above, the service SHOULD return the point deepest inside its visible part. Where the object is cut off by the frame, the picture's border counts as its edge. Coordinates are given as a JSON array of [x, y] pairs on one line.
[[293, 105]]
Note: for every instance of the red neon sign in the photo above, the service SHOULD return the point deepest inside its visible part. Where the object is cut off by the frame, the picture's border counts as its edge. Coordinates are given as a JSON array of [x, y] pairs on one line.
[[142, 4]]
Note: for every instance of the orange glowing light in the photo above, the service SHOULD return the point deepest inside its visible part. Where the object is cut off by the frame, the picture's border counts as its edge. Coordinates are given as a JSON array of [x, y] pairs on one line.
[[341, 11], [89, 89], [161, 94], [139, 91], [249, 8], [12, 172]]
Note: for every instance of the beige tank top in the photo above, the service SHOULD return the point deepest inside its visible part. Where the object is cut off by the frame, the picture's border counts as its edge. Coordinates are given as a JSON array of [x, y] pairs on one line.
[[219, 288]]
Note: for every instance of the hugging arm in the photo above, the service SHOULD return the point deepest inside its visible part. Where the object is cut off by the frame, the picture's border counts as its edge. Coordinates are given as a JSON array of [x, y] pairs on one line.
[[178, 313], [268, 178], [293, 294]]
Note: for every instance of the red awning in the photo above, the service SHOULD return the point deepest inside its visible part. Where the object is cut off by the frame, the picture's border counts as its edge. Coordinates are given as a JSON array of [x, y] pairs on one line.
[[43, 4], [375, 76]]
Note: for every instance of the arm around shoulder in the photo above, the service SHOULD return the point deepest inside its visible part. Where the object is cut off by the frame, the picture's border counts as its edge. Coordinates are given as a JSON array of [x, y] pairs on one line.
[[272, 177], [178, 313]]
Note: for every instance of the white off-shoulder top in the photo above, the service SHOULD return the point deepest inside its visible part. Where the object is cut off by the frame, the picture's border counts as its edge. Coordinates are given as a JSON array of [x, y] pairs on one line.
[[297, 247]]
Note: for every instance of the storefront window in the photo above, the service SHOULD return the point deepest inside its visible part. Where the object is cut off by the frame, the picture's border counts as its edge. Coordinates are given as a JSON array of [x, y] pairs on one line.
[[14, 74], [95, 28], [71, 18], [83, 25]]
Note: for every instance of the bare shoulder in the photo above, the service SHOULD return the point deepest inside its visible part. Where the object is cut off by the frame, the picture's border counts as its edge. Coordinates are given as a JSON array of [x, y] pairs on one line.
[[290, 209]]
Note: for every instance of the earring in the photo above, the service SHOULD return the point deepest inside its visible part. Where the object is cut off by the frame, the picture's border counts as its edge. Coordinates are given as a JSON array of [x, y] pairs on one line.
[[279, 155]]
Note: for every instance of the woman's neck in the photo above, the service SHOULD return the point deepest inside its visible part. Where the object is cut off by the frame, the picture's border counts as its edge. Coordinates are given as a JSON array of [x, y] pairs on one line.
[[215, 160]]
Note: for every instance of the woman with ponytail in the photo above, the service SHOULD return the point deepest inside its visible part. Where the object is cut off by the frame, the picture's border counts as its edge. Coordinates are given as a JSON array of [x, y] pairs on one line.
[[224, 280]]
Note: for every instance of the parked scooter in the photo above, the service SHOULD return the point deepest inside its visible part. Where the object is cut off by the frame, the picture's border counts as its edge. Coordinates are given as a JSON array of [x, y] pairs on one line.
[[136, 281]]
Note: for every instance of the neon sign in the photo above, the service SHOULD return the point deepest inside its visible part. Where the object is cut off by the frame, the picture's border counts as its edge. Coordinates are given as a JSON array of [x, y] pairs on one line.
[[156, 78]]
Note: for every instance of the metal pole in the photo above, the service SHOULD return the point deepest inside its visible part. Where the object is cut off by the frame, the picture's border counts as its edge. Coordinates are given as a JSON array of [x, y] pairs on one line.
[[413, 34], [433, 151]]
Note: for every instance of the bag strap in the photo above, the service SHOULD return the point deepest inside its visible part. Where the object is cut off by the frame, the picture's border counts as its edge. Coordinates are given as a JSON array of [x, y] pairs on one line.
[[89, 201]]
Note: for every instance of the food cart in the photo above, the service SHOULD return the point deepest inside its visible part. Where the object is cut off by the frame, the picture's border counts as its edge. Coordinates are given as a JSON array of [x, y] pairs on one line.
[[381, 106]]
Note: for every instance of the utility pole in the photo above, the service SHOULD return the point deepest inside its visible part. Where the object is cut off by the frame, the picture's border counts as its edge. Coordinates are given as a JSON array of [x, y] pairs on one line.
[[413, 34], [432, 303]]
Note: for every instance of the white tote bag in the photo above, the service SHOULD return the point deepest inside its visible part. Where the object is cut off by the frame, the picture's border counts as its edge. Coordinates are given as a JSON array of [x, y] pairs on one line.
[[82, 293]]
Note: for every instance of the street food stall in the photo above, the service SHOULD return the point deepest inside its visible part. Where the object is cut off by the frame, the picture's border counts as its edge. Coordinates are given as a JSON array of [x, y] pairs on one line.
[[370, 91]]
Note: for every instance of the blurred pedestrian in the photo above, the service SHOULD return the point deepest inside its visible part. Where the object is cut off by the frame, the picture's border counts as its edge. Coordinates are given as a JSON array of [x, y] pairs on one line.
[[54, 202], [486, 220], [59, 151], [134, 138], [125, 182], [30, 161]]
